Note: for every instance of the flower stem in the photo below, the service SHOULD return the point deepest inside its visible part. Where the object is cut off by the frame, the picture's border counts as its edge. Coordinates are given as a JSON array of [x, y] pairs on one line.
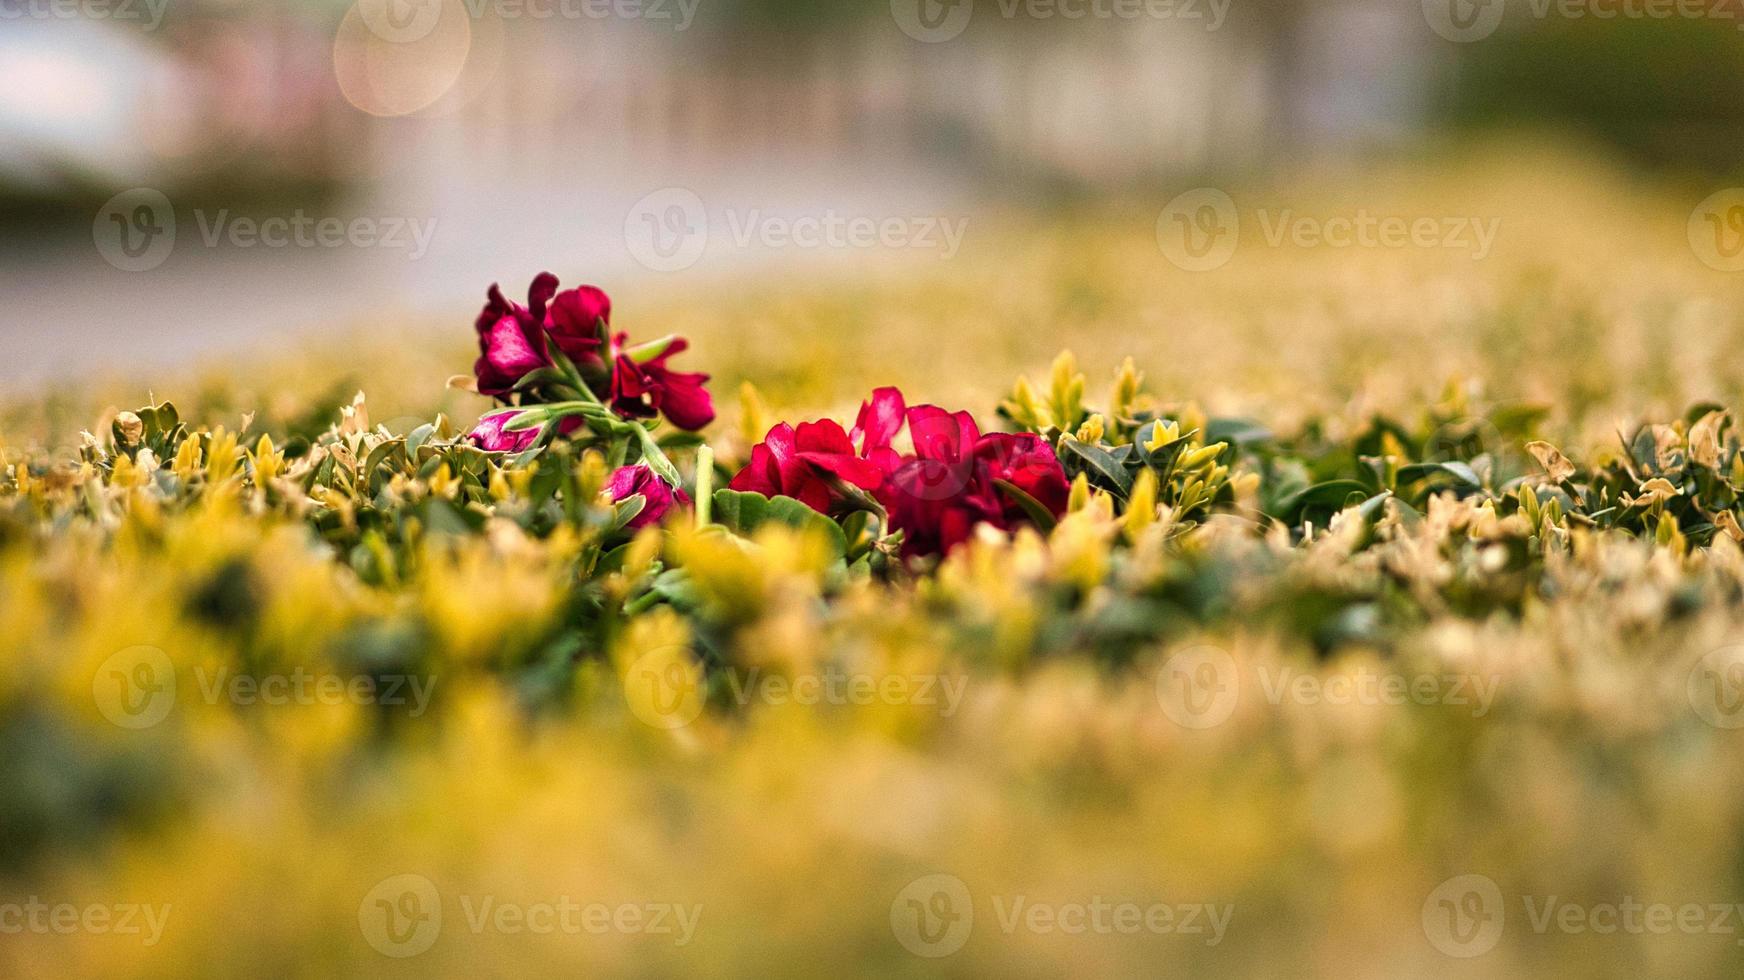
[[705, 484], [651, 451]]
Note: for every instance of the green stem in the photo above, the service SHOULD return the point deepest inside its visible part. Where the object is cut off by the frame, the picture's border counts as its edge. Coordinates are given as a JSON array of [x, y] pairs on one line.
[[656, 459], [641, 603], [651, 451]]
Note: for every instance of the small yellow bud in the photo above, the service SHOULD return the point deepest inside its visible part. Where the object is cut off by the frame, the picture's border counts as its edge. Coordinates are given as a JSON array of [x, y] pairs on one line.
[[1141, 506], [1092, 430], [1079, 498], [753, 414], [1126, 384], [1163, 434]]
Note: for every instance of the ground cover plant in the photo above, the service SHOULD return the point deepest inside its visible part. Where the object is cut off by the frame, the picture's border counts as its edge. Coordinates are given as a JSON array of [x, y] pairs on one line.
[[1095, 667]]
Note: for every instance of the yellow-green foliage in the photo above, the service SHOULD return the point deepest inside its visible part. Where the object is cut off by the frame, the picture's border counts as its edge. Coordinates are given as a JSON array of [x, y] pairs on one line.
[[1531, 677]]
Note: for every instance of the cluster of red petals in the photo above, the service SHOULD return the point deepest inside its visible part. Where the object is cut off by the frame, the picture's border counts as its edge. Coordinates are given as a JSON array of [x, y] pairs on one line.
[[645, 389], [515, 340], [815, 461], [948, 486], [935, 496]]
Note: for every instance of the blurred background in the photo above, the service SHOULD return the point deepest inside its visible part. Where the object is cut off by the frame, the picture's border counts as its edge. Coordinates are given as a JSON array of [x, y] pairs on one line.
[[147, 146]]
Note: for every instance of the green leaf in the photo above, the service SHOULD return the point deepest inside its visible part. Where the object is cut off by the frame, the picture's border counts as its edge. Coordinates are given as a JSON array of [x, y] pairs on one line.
[[532, 418], [1038, 514], [1236, 432], [1462, 473], [742, 513], [1099, 463], [1333, 496], [625, 510]]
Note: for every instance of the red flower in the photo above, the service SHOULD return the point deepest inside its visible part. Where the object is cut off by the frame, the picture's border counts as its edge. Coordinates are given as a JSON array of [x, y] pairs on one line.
[[645, 388], [811, 462], [491, 436], [879, 421], [573, 325], [512, 339], [800, 463], [938, 495]]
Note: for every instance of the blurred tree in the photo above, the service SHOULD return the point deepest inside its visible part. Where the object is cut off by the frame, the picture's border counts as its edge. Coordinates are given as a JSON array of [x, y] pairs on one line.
[[1666, 92]]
